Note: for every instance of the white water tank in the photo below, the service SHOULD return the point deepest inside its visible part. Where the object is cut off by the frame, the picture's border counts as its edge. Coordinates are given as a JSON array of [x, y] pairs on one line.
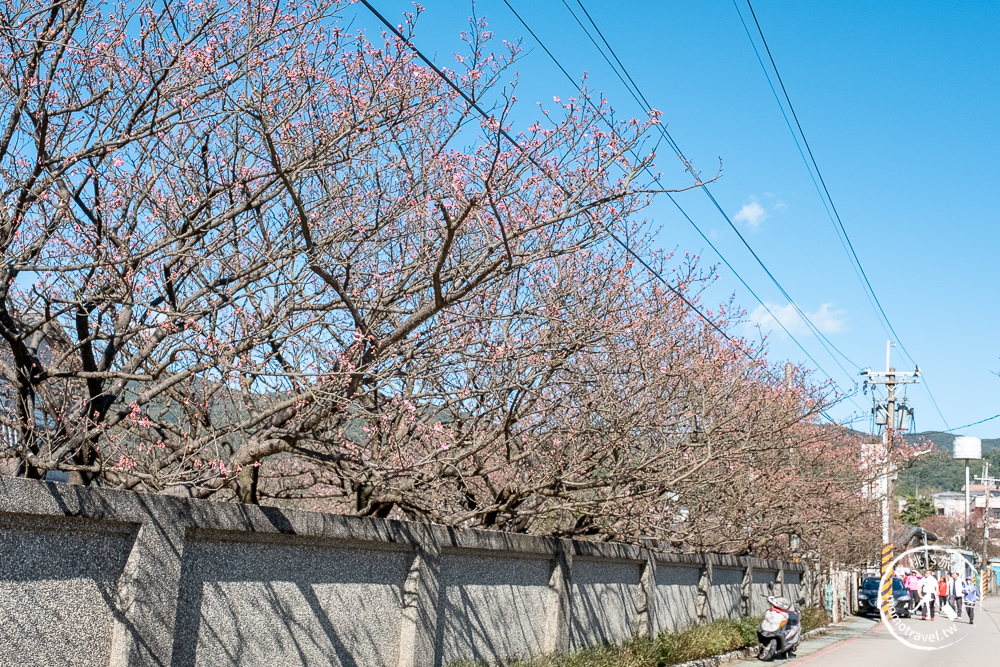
[[968, 447]]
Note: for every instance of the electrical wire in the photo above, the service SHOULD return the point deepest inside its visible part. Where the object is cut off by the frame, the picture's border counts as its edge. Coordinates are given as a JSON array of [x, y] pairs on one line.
[[643, 102], [838, 223], [646, 106], [673, 199], [474, 105], [828, 203], [679, 207], [981, 421]]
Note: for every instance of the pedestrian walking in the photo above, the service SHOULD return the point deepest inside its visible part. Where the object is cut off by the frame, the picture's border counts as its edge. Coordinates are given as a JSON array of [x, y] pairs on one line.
[[912, 585], [942, 591], [970, 598], [955, 589], [928, 594]]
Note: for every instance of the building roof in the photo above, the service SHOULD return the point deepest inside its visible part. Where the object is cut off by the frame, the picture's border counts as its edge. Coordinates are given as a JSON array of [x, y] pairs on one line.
[[980, 487]]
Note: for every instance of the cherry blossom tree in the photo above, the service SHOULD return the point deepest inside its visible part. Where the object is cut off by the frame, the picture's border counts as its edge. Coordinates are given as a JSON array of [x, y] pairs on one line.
[[228, 227], [250, 255]]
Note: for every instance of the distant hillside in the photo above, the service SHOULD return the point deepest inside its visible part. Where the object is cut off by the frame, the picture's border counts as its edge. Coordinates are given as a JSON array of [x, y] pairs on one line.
[[944, 441], [938, 471]]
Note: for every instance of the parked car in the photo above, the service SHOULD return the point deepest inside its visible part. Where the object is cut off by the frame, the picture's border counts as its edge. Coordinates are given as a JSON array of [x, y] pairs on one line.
[[868, 597]]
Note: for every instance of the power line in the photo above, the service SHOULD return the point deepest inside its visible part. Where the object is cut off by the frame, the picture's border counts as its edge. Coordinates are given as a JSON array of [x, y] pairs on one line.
[[645, 105], [839, 225], [474, 105], [643, 102], [981, 421], [831, 208], [656, 178], [845, 242], [933, 401]]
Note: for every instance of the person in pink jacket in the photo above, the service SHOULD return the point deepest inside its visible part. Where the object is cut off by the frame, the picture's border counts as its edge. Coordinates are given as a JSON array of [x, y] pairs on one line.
[[912, 584]]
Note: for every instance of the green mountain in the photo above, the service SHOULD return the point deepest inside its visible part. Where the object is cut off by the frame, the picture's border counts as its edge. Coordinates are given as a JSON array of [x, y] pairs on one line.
[[944, 441], [937, 470]]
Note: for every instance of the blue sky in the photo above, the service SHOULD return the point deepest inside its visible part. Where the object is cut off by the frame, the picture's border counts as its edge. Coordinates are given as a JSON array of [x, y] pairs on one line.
[[898, 102]]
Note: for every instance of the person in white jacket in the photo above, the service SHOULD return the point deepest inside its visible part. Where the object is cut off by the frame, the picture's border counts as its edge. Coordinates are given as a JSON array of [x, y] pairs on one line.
[[928, 594]]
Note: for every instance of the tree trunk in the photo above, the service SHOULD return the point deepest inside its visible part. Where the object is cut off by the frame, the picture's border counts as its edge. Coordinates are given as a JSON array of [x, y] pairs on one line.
[[246, 484]]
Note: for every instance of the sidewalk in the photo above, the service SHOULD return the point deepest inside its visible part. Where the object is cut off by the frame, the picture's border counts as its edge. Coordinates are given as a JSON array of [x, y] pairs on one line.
[[850, 628]]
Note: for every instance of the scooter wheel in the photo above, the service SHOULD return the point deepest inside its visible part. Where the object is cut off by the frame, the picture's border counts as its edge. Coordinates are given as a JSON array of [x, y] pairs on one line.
[[768, 650]]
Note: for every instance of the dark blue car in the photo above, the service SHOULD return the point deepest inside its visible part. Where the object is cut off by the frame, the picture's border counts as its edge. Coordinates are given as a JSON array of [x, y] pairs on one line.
[[868, 597]]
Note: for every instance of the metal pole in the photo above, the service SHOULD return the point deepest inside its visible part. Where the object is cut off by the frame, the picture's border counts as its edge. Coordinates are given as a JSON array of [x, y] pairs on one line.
[[927, 556], [890, 426], [986, 515], [884, 490], [967, 503], [890, 422], [890, 378]]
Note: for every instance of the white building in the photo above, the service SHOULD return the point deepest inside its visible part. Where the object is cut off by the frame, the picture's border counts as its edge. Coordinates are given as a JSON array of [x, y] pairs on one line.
[[949, 503]]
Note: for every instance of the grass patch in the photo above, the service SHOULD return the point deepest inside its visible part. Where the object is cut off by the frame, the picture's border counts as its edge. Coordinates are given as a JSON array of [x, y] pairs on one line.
[[703, 641], [667, 648], [814, 617]]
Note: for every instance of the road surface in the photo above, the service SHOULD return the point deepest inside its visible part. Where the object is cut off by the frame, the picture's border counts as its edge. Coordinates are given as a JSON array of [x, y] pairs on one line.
[[863, 643]]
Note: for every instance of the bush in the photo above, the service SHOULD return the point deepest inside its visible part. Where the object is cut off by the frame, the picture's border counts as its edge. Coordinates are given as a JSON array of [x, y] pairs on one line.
[[814, 617], [667, 648], [701, 641]]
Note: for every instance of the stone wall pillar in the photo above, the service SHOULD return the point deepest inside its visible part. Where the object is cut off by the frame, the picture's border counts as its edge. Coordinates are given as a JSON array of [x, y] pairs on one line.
[[146, 605], [704, 608], [421, 589], [557, 607], [646, 599], [746, 588]]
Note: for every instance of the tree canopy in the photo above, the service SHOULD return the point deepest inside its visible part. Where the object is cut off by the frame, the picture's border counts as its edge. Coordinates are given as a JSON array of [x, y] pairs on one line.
[[250, 255]]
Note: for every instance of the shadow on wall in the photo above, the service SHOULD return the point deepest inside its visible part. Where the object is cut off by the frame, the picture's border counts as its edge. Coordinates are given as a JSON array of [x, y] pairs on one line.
[[245, 602], [793, 586], [603, 602], [93, 576], [725, 593], [491, 608], [57, 574], [762, 584], [677, 597]]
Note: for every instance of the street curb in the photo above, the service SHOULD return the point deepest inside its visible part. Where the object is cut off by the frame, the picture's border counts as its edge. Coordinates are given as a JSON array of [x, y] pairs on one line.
[[744, 653]]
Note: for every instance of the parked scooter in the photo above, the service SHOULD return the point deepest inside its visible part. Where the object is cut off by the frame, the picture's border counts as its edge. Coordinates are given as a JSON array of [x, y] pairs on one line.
[[780, 630]]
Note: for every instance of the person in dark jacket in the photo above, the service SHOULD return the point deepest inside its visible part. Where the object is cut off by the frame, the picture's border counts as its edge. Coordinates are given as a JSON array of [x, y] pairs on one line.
[[955, 588]]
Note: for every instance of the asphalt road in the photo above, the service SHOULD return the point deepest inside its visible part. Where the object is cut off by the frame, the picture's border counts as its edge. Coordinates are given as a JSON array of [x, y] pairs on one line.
[[863, 642]]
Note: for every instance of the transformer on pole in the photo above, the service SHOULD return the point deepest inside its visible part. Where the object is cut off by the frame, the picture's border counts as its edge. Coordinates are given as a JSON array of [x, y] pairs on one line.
[[893, 421]]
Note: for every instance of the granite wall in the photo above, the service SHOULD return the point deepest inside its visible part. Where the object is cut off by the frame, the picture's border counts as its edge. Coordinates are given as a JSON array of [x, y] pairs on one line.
[[101, 577]]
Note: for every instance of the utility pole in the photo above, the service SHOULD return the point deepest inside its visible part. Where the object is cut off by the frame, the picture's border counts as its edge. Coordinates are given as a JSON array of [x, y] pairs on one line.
[[988, 483], [890, 378]]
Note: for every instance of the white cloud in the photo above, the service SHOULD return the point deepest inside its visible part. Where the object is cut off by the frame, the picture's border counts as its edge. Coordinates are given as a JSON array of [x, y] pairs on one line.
[[827, 319], [752, 215], [776, 203]]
